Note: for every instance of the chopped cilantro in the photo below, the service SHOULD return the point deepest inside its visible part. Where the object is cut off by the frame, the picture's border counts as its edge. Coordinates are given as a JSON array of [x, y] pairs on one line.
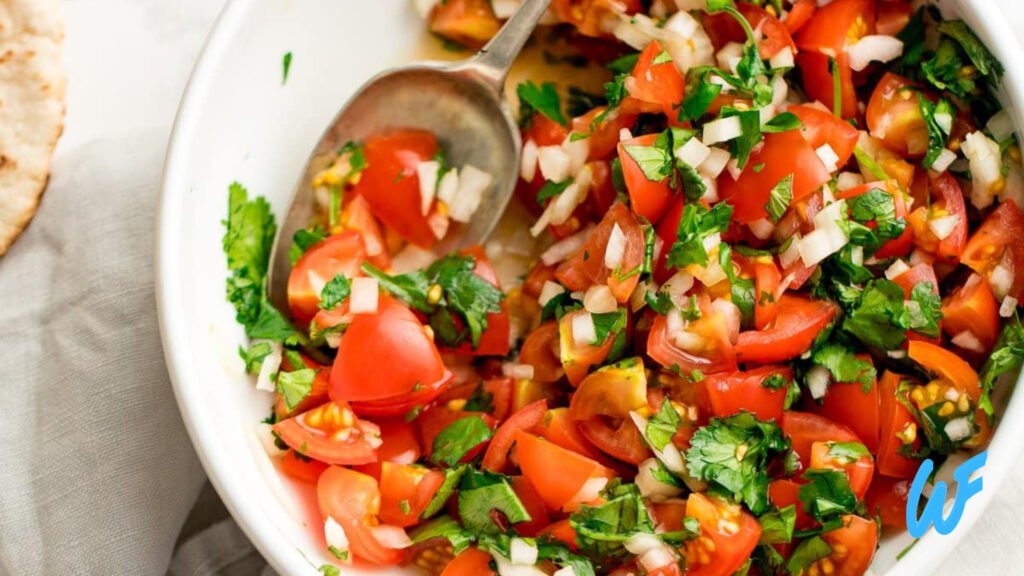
[[782, 123], [879, 318], [543, 99], [550, 190], [303, 240], [827, 494], [777, 525], [844, 365], [443, 527], [335, 292], [698, 100], [458, 438], [286, 67], [663, 426], [482, 492], [452, 476], [696, 224], [295, 385], [779, 199], [1006, 357], [254, 356], [602, 530], [806, 553]]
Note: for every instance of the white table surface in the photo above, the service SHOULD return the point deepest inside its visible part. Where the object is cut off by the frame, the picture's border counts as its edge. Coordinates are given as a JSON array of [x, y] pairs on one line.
[[128, 61]]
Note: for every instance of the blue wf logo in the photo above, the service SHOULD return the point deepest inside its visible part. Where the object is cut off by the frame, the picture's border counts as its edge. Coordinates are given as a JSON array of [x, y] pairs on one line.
[[965, 488]]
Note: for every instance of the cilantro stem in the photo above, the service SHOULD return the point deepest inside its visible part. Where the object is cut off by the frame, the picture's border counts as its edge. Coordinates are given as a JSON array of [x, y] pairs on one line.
[[837, 88]]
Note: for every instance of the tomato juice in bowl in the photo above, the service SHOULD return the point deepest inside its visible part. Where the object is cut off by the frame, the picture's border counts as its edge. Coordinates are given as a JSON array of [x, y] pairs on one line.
[[678, 306]]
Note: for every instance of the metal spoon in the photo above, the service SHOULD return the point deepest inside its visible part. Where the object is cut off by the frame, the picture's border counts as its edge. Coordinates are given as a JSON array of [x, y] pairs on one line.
[[462, 103]]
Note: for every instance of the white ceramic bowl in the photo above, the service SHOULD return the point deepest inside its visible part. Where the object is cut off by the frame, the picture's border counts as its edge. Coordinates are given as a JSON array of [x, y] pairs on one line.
[[238, 122]]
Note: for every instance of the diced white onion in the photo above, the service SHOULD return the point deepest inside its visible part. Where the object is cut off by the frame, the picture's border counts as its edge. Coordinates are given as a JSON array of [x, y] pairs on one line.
[[1001, 280], [637, 299], [897, 354], [730, 312], [448, 187], [693, 153], [968, 341], [410, 258], [722, 130], [565, 247], [857, 255], [689, 341], [637, 30], [678, 286], [815, 247], [874, 48], [986, 166], [564, 571], [711, 274], [560, 210], [818, 379], [828, 157], [316, 281], [943, 160], [789, 256], [473, 183], [427, 174], [577, 151], [364, 296], [504, 9], [656, 558], [848, 180], [1008, 306], [729, 55], [896, 268], [271, 364], [583, 330], [958, 429], [625, 134], [335, 536], [616, 248], [390, 536], [762, 229], [522, 552], [555, 163], [715, 163], [710, 189], [528, 166], [520, 371], [1001, 125], [641, 542], [782, 59], [733, 165], [507, 568], [590, 491], [943, 226], [652, 488], [685, 40], [549, 291], [598, 299]]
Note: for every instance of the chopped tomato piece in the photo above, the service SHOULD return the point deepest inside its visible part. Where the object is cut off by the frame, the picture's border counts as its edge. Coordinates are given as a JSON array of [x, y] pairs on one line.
[[853, 546], [579, 357], [710, 349], [337, 254], [558, 427], [973, 309], [859, 471], [898, 429], [659, 84], [799, 322], [849, 404], [541, 350], [587, 267], [887, 498], [894, 116], [804, 429], [996, 243], [471, 23], [470, 562], [496, 456], [406, 491], [731, 393], [302, 468], [495, 339], [353, 501], [536, 458], [329, 433], [534, 505], [728, 536], [317, 393], [649, 199]]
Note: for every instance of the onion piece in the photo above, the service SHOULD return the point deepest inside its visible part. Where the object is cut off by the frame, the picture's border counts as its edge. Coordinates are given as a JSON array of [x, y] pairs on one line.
[[722, 130], [448, 187], [1001, 125], [504, 9], [555, 163], [848, 180], [548, 291], [1008, 306], [473, 183], [390, 536], [365, 295], [693, 153], [818, 379], [943, 226], [789, 256], [641, 542], [565, 247], [715, 163], [528, 166], [616, 249], [598, 299], [670, 455], [656, 558], [577, 151], [958, 429], [968, 341], [583, 331], [828, 157], [944, 160], [336, 538], [1001, 280], [762, 229], [652, 488], [874, 48], [522, 552], [427, 174], [271, 364], [986, 166], [782, 59], [896, 268]]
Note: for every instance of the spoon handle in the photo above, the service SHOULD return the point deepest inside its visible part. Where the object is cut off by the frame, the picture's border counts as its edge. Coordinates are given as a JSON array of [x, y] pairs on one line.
[[492, 63]]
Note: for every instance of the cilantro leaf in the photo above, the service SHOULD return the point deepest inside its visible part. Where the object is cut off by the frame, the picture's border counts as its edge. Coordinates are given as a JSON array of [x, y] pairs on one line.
[[654, 161], [335, 292], [696, 224], [844, 366], [846, 452], [452, 476], [550, 190], [879, 318], [938, 119], [443, 527], [543, 99], [783, 122], [294, 386], [663, 426], [602, 530], [480, 400], [806, 553], [777, 525], [750, 135], [827, 494], [925, 309], [733, 453], [608, 323], [303, 240], [286, 66], [248, 237], [694, 187], [698, 100], [980, 56], [741, 289], [1007, 356], [624, 64], [482, 492], [458, 438], [779, 199], [562, 556], [328, 570], [254, 356]]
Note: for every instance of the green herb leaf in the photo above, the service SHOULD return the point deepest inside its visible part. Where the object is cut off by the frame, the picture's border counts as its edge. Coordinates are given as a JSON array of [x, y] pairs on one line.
[[286, 66], [879, 318], [254, 356], [806, 553], [482, 492], [847, 452], [452, 476], [779, 199], [602, 530], [543, 99], [1007, 356], [827, 495], [304, 239], [698, 100], [335, 292], [550, 190], [980, 56], [844, 366], [654, 161], [741, 289], [777, 525], [328, 570], [458, 438], [663, 426], [295, 386], [782, 123], [925, 309], [443, 527], [696, 224]]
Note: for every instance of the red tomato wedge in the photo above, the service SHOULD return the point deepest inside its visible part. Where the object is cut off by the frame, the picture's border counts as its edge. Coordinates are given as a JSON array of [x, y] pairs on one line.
[[329, 433], [378, 336], [534, 505], [536, 459], [731, 393], [342, 253], [853, 545], [390, 183], [947, 199], [894, 116], [847, 403], [783, 154], [819, 81], [495, 339], [723, 28], [579, 357], [317, 393], [895, 420], [406, 491], [558, 427], [821, 127], [732, 531], [945, 364], [399, 445], [973, 309], [804, 429], [784, 492], [887, 498], [859, 471], [496, 456], [470, 562], [649, 199], [659, 84], [587, 267], [799, 14], [353, 501], [997, 242], [837, 25], [302, 468], [799, 322]]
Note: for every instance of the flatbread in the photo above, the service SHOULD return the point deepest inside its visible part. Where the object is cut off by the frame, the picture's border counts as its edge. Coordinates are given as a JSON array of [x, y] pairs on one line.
[[32, 88]]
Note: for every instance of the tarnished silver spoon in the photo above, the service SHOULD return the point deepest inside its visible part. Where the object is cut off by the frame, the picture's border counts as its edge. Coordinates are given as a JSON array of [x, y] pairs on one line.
[[462, 103]]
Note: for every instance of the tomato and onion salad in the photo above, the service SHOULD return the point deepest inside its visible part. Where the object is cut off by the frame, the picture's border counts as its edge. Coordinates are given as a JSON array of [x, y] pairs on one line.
[[768, 272]]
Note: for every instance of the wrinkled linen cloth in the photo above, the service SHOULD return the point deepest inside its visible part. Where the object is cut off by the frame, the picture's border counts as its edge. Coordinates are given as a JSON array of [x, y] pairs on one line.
[[97, 474]]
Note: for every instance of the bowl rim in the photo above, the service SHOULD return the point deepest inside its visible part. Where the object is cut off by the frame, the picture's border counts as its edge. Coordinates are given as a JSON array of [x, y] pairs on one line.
[[923, 558]]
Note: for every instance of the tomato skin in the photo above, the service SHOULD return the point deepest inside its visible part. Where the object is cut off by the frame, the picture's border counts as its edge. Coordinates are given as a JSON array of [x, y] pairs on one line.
[[401, 405], [859, 472], [821, 127], [398, 445], [799, 15], [892, 16], [887, 497], [536, 458], [784, 492], [563, 532], [659, 84], [301, 468], [894, 419], [534, 505], [894, 116], [558, 427], [394, 327], [541, 350], [804, 429], [353, 500], [767, 279], [432, 421], [837, 25], [722, 357], [496, 456], [860, 538], [586, 268], [848, 404], [947, 196], [470, 562], [577, 359], [411, 484], [818, 81], [730, 393], [997, 241], [622, 441], [783, 154], [342, 253], [941, 362], [312, 435], [799, 322], [723, 28], [648, 199], [495, 339], [973, 308], [732, 548]]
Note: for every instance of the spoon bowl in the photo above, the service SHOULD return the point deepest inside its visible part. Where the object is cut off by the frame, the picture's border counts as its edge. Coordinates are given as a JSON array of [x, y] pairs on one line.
[[461, 103]]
